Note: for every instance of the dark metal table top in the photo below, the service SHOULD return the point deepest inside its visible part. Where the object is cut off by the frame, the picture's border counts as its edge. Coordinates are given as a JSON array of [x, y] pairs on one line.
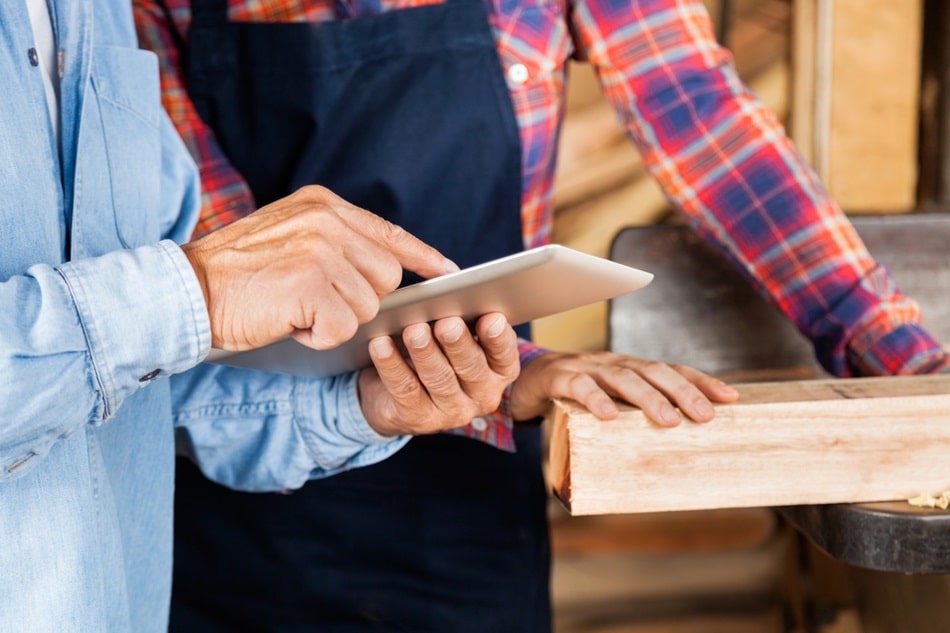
[[891, 536], [700, 311]]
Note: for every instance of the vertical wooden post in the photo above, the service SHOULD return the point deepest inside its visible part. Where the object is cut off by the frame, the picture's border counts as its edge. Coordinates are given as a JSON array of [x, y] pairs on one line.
[[856, 86]]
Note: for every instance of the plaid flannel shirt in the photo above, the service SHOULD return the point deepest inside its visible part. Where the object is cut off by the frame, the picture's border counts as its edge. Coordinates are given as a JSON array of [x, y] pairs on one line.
[[720, 156]]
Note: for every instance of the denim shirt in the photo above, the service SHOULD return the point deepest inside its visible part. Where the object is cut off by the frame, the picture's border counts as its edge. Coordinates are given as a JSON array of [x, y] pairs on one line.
[[102, 330]]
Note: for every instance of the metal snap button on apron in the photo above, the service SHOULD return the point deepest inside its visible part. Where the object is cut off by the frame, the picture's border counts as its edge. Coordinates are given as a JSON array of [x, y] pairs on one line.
[[518, 73]]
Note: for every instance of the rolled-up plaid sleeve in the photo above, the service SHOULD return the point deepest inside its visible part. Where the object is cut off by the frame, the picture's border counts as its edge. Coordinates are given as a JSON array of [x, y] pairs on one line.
[[724, 161]]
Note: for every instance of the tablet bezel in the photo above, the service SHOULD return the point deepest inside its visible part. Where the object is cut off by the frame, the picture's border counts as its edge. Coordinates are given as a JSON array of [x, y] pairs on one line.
[[525, 286]]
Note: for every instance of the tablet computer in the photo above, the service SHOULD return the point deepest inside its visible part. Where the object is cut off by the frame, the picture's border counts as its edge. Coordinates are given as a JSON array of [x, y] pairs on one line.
[[525, 286]]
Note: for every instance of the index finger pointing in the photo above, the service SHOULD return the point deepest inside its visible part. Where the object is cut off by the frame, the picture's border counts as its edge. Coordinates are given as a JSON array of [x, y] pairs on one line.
[[411, 252]]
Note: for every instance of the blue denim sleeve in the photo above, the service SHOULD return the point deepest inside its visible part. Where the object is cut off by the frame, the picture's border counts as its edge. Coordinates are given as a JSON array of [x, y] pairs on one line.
[[178, 217], [263, 431], [86, 335]]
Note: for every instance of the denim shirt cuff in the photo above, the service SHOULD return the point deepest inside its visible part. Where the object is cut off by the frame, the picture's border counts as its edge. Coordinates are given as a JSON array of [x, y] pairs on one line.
[[353, 423], [332, 424], [143, 315]]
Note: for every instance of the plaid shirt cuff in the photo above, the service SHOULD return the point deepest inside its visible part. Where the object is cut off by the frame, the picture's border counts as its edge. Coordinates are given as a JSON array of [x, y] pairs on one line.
[[880, 328], [909, 349], [496, 429]]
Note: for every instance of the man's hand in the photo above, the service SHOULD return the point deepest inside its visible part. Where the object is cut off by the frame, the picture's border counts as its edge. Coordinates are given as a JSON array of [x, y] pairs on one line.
[[595, 379], [310, 265], [451, 377]]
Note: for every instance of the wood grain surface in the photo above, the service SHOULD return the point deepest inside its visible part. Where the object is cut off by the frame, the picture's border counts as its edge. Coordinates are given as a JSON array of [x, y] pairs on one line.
[[781, 443]]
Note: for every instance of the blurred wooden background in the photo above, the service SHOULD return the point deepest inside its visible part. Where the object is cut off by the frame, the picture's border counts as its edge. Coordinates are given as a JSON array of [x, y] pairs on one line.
[[859, 83]]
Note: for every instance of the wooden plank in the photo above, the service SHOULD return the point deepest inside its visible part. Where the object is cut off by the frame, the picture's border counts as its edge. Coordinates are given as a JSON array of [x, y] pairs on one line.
[[857, 86], [804, 68], [872, 165], [781, 443], [934, 180]]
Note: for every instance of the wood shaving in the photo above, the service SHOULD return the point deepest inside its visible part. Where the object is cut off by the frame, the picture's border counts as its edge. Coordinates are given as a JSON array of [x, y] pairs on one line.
[[926, 500]]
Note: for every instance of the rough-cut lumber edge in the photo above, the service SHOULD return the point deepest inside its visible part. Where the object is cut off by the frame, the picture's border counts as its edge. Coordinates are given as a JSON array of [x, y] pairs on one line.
[[781, 443]]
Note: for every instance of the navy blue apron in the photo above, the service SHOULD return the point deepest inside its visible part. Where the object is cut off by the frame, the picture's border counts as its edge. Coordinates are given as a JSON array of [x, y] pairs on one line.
[[406, 114]]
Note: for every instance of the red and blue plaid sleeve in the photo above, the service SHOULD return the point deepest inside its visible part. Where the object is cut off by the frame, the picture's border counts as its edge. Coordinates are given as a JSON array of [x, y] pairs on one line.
[[162, 27], [724, 161]]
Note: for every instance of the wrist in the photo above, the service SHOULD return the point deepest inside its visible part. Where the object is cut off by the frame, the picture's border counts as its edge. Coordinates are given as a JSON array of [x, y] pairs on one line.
[[193, 255]]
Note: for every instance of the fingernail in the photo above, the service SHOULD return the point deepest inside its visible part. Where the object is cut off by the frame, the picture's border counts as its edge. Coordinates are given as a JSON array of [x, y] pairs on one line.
[[606, 411], [496, 327], [452, 334], [419, 337], [669, 415], [450, 266], [703, 409], [382, 347]]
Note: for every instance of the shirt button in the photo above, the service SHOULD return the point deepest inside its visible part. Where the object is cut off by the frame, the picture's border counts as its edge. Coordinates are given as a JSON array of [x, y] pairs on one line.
[[479, 424], [150, 375], [34, 57], [518, 73]]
